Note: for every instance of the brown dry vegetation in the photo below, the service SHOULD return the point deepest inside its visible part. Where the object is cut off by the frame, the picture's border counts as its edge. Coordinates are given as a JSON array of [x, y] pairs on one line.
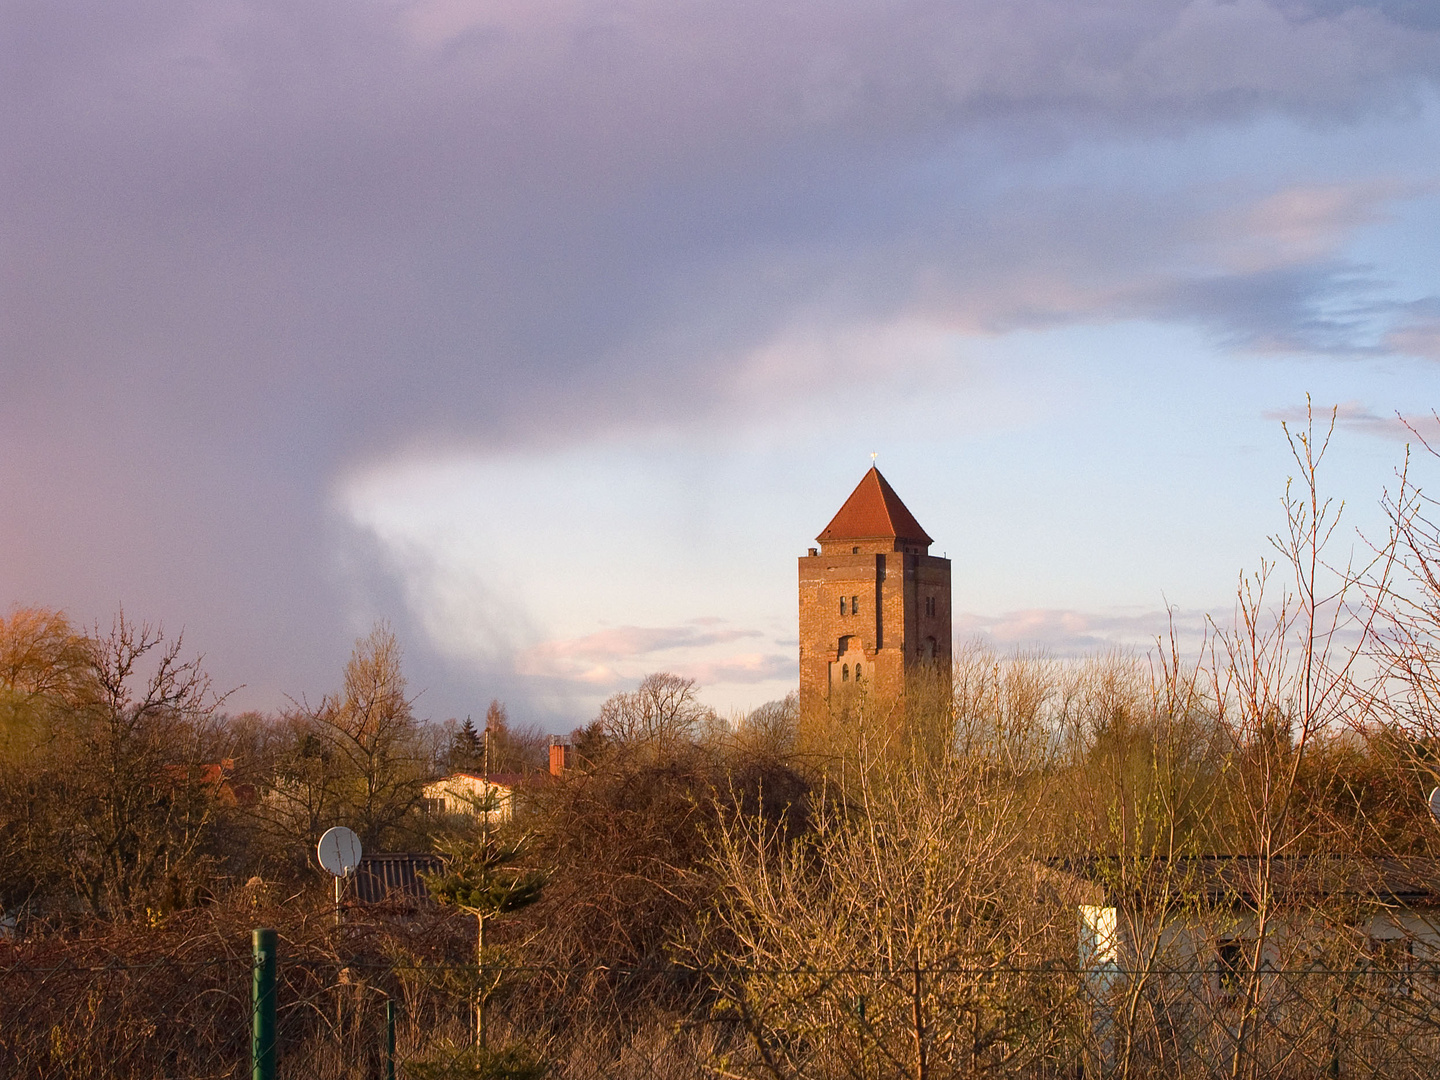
[[886, 890]]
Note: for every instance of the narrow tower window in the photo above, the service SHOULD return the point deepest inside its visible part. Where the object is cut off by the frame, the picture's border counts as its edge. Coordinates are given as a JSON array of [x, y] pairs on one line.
[[842, 605], [854, 605], [844, 672], [857, 672]]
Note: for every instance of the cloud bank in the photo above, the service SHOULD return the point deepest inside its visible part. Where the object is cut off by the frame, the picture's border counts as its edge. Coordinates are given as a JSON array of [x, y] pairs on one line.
[[251, 248]]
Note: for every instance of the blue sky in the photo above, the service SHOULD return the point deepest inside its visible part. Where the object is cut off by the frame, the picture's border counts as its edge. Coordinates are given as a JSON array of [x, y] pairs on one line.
[[553, 332]]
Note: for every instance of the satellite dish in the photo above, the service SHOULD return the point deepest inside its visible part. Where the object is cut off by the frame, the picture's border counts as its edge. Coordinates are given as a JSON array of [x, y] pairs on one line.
[[339, 851]]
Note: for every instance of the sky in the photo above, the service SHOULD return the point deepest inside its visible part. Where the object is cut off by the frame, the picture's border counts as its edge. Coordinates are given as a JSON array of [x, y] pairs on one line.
[[552, 332]]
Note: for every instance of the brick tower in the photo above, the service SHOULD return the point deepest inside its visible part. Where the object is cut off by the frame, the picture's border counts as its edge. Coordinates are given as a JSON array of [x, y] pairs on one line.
[[874, 603]]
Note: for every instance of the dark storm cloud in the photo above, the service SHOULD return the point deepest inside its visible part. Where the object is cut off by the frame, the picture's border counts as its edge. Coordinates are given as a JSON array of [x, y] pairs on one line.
[[247, 243]]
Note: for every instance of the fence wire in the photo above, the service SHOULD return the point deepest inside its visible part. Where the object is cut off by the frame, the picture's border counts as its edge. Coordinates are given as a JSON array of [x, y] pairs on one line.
[[179, 1017]]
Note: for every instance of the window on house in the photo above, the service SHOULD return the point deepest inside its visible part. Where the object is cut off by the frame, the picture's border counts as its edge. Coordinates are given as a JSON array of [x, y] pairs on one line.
[[930, 606], [844, 672], [855, 551], [842, 605], [854, 605], [1229, 966], [1392, 961]]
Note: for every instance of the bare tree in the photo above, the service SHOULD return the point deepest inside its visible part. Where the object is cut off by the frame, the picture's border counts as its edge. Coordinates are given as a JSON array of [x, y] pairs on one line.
[[141, 801], [369, 762], [661, 713], [1405, 642], [1283, 675], [866, 943]]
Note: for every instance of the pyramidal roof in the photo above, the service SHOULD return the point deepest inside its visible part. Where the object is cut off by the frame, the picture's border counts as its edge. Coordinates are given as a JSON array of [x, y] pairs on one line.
[[874, 512]]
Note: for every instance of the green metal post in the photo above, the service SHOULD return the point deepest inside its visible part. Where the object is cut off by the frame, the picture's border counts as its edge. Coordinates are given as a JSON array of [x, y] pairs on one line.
[[262, 1000], [389, 1039]]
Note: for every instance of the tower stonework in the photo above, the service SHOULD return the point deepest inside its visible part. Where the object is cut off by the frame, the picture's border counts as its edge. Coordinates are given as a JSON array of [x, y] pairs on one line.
[[874, 603]]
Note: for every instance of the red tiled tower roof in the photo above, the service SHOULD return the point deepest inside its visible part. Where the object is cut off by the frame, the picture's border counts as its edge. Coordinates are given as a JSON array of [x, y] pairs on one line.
[[874, 512]]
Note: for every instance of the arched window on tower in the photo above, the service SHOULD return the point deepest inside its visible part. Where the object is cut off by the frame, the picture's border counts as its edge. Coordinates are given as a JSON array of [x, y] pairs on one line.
[[857, 672], [844, 672]]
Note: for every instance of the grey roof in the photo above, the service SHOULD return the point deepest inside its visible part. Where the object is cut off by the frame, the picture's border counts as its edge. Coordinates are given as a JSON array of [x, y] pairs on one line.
[[1407, 881], [393, 878]]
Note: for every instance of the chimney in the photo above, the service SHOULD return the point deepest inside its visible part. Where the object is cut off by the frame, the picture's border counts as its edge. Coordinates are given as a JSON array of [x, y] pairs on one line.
[[559, 756]]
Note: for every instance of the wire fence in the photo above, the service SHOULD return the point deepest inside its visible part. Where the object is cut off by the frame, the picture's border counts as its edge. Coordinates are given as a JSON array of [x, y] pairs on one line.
[[186, 1017]]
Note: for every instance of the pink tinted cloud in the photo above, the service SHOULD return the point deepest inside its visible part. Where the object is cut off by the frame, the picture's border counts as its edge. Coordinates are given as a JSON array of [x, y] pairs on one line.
[[624, 642], [1067, 632], [1418, 332], [1297, 224], [608, 658], [1354, 416], [744, 669]]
